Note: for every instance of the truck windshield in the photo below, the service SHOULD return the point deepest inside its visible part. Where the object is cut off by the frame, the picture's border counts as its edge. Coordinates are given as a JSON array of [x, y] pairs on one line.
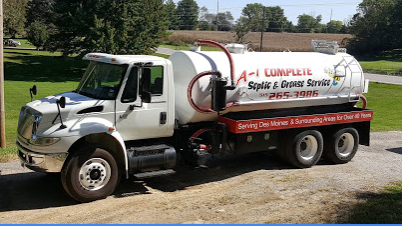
[[101, 81]]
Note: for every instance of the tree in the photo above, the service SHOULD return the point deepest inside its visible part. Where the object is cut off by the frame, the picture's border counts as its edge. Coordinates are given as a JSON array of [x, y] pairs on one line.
[[277, 21], [171, 15], [40, 17], [308, 23], [261, 18], [225, 21], [256, 17], [14, 16], [289, 27], [187, 14], [241, 29], [334, 26], [37, 34], [210, 21], [346, 26], [373, 27], [207, 21], [396, 25], [40, 11], [116, 27]]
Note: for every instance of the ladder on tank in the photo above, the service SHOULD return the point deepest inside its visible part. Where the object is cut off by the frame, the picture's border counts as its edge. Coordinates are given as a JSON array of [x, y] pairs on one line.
[[356, 73]]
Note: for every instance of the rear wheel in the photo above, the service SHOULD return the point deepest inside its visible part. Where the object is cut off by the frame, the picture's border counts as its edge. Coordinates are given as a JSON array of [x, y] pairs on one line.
[[342, 146], [91, 174], [304, 150]]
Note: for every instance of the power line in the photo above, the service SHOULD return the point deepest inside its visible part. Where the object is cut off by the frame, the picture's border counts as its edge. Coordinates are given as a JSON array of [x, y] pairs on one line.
[[302, 5]]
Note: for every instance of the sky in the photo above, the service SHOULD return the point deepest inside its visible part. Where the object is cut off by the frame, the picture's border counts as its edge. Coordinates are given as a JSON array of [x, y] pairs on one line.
[[341, 9]]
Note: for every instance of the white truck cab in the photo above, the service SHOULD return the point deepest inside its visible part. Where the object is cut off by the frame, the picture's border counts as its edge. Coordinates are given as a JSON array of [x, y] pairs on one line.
[[106, 109]]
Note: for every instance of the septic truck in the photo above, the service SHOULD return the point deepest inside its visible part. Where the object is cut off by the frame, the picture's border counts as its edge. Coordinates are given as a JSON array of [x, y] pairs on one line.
[[142, 116]]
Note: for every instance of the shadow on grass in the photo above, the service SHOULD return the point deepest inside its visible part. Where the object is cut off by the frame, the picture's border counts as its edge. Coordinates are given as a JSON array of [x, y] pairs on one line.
[[374, 208], [32, 67]]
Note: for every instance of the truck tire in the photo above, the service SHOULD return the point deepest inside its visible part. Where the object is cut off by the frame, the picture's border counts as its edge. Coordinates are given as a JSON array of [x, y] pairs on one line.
[[305, 149], [91, 174], [342, 146]]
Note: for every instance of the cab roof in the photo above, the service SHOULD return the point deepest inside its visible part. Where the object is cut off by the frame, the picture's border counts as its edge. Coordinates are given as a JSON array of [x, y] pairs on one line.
[[121, 59]]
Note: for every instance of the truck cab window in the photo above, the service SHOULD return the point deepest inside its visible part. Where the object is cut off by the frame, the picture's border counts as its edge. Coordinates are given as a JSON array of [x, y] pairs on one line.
[[156, 80], [130, 91]]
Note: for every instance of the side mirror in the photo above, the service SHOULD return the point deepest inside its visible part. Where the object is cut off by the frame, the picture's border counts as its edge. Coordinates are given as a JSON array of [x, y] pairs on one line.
[[62, 102], [146, 97], [34, 90], [146, 80], [146, 85], [218, 94]]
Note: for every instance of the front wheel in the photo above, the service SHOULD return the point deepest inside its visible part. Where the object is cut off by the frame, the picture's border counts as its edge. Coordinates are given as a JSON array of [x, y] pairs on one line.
[[91, 174], [342, 146]]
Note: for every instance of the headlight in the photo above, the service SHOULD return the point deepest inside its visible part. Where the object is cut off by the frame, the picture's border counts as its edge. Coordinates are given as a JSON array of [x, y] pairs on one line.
[[44, 141]]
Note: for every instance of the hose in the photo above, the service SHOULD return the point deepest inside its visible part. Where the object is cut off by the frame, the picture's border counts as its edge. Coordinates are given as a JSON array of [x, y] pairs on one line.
[[199, 132], [364, 99], [226, 51], [190, 89], [213, 72]]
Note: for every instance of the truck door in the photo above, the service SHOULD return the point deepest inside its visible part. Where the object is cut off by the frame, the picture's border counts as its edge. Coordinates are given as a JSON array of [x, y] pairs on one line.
[[136, 120]]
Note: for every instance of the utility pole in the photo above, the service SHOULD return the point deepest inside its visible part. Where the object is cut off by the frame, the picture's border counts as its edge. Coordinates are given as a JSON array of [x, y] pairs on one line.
[[262, 28], [2, 112], [217, 16], [330, 20]]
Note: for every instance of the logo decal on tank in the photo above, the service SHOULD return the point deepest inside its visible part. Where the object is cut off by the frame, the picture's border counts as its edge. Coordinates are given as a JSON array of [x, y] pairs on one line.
[[331, 73]]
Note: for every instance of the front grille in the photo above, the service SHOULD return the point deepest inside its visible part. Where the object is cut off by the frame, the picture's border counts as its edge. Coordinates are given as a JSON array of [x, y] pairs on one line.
[[21, 154], [28, 122]]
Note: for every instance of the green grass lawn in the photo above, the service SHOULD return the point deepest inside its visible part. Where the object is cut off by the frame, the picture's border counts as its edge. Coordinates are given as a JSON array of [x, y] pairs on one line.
[[385, 101], [49, 71], [388, 63], [382, 67], [161, 55], [376, 208], [25, 44]]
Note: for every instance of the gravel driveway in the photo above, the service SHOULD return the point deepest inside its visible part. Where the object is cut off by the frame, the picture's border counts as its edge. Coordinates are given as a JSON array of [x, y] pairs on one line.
[[257, 188]]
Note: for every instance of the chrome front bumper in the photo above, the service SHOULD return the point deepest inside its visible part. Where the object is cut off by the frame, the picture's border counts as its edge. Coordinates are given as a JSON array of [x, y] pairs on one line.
[[50, 163]]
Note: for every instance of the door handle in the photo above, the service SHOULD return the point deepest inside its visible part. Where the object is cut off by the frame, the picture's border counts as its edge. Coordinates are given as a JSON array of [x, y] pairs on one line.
[[163, 117]]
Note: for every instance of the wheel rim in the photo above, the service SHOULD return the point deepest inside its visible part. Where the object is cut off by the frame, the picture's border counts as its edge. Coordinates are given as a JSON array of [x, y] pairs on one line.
[[308, 147], [346, 144], [95, 174]]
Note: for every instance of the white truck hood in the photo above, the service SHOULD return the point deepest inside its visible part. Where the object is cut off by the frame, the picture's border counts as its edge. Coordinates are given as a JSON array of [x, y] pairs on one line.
[[74, 104]]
